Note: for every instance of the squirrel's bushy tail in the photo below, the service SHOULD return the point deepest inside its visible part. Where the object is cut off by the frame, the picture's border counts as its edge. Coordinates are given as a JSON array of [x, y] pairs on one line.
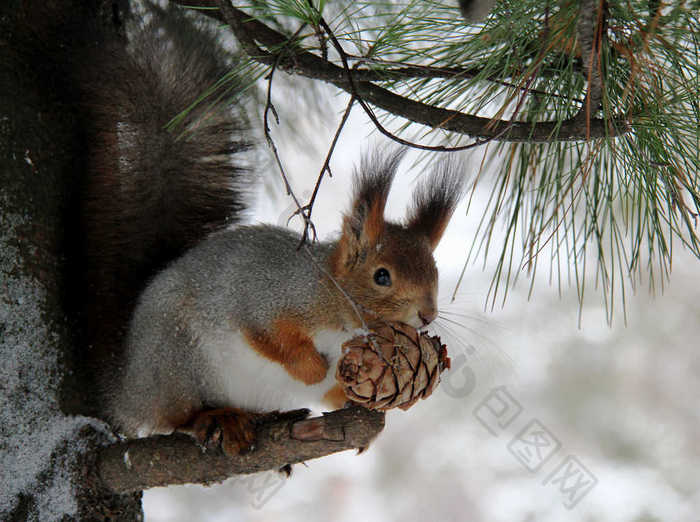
[[153, 188]]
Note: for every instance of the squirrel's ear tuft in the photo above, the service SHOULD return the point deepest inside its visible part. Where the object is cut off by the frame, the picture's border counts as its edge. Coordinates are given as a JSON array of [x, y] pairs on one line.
[[436, 198], [364, 225]]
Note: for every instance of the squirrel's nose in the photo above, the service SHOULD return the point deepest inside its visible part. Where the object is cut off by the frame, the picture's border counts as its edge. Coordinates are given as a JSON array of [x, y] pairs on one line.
[[427, 316]]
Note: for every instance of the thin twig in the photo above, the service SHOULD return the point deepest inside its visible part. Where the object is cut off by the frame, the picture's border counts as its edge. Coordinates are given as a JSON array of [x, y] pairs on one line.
[[308, 208], [269, 107], [589, 32], [322, 44]]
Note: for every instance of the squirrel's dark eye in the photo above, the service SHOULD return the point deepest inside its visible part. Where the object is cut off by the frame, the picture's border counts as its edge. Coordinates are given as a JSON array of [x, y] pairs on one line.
[[382, 277]]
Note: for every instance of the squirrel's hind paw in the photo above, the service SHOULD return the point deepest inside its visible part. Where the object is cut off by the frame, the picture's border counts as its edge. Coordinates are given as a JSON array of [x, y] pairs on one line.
[[230, 429]]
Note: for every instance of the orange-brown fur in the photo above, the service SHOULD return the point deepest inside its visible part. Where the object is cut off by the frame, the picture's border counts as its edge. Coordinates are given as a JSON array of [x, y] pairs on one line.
[[407, 256], [288, 344], [335, 397]]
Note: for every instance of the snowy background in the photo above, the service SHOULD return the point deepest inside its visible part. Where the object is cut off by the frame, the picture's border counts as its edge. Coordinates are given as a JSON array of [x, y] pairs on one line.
[[613, 408]]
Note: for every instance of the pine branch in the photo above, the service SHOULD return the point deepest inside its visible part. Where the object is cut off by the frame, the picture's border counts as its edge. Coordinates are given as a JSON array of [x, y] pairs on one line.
[[137, 464], [295, 60], [392, 71]]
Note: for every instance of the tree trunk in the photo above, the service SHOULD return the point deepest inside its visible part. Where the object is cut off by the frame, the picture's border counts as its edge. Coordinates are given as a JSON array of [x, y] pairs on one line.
[[44, 451]]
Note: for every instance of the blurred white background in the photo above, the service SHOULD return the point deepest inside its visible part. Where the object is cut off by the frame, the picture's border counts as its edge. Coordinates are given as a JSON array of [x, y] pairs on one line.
[[620, 399]]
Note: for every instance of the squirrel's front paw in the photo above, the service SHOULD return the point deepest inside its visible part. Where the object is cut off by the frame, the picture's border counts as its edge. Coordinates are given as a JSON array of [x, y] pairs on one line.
[[231, 429], [310, 368]]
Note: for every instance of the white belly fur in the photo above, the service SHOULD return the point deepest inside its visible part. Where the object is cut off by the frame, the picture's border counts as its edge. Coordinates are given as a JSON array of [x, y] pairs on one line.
[[242, 378]]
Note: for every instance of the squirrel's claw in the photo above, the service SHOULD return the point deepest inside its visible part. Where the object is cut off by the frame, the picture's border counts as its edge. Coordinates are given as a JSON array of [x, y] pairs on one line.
[[230, 429]]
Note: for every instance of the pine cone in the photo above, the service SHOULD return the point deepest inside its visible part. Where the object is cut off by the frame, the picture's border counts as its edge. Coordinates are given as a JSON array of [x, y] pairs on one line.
[[393, 366]]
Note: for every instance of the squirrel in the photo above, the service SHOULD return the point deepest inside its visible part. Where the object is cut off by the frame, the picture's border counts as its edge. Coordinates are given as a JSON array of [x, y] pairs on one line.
[[204, 326]]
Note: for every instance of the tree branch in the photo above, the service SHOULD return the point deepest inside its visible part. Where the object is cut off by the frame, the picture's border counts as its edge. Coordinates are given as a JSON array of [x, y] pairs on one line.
[[137, 464], [391, 70], [251, 32]]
